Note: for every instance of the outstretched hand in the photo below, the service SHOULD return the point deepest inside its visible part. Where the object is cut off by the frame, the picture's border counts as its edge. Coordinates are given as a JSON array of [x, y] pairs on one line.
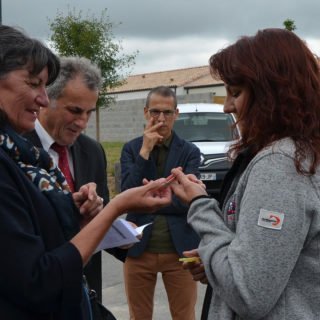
[[147, 198]]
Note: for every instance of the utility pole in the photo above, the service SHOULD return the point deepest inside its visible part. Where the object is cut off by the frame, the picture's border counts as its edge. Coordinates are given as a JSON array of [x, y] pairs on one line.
[[0, 12]]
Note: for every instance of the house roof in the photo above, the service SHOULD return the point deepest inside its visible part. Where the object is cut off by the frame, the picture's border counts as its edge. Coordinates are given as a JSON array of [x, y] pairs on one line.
[[195, 77], [188, 78]]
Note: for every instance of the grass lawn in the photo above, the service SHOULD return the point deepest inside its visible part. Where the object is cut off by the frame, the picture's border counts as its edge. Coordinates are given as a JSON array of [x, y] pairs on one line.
[[113, 151]]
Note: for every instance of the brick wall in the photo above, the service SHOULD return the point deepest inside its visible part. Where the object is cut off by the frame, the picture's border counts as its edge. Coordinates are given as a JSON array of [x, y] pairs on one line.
[[124, 120]]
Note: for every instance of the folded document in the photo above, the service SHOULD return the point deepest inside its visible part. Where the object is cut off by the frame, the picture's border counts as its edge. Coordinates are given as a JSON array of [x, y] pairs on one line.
[[121, 233]]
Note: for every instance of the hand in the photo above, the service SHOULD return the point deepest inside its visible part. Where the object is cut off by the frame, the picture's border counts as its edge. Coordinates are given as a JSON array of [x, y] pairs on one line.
[[195, 268], [147, 198], [194, 179], [146, 181], [187, 187], [151, 137], [88, 202]]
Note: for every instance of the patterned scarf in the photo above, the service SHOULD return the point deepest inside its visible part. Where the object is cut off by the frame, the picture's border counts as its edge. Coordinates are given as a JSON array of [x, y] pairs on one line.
[[40, 168]]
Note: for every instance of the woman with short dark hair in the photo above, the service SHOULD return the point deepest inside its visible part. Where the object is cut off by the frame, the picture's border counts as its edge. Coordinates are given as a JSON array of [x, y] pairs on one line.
[[43, 249]]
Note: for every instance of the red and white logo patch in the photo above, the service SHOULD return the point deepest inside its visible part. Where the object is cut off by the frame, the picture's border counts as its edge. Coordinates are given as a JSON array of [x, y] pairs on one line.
[[270, 219]]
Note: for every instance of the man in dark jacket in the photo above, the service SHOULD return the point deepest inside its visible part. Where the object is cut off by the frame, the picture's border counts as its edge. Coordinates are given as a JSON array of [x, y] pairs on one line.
[[73, 97], [152, 156]]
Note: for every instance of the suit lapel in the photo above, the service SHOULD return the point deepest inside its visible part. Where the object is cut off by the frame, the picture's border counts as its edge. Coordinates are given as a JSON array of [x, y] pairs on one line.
[[80, 164], [173, 156]]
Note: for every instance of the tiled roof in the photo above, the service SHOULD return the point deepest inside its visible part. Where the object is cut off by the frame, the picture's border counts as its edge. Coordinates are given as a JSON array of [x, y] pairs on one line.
[[189, 77], [204, 81]]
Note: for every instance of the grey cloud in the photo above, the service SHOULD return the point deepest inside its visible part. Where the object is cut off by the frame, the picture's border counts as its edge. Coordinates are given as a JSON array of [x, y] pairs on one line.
[[172, 20]]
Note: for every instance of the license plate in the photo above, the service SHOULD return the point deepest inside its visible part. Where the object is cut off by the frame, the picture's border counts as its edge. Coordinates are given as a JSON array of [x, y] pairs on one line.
[[208, 176]]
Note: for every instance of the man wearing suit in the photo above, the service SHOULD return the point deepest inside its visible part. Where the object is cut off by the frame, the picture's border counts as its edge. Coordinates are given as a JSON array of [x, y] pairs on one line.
[[73, 97], [152, 156]]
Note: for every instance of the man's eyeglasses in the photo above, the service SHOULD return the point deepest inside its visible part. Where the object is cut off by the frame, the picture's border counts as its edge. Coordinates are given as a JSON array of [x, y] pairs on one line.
[[155, 113]]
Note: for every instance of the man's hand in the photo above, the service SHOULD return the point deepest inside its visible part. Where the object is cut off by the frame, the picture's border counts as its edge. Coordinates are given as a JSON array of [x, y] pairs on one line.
[[151, 137], [88, 202]]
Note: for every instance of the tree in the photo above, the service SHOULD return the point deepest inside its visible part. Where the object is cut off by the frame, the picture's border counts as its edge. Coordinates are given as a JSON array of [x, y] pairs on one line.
[[289, 25], [92, 37]]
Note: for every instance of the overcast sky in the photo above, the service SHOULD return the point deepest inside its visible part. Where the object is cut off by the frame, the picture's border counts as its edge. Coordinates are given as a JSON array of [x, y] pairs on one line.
[[173, 34]]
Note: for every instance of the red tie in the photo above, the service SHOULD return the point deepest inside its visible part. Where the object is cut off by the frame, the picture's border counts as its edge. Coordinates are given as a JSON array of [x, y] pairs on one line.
[[63, 163]]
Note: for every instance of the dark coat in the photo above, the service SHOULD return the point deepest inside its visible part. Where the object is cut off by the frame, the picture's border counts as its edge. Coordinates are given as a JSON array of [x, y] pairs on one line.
[[134, 168], [39, 270], [90, 165]]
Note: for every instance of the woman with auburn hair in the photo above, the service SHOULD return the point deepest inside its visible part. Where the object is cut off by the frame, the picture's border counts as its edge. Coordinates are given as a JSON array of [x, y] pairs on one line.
[[260, 246]]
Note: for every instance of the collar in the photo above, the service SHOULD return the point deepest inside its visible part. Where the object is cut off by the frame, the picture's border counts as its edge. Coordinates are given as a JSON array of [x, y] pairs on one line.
[[46, 140], [166, 143], [44, 136]]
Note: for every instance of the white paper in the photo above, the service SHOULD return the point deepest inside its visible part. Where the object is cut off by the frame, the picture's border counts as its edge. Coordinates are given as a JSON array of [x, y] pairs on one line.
[[140, 229], [121, 233]]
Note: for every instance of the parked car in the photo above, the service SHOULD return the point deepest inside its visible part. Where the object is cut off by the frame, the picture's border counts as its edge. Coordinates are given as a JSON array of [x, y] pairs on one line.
[[210, 129]]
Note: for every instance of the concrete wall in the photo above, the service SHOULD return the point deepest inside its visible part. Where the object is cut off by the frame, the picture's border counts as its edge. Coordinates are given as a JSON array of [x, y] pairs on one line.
[[124, 120]]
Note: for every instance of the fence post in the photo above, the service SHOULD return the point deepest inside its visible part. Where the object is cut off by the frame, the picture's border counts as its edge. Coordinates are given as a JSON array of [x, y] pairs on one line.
[[117, 177]]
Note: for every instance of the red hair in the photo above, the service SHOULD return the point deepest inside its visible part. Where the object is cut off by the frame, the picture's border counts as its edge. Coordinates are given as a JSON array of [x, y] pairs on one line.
[[283, 79]]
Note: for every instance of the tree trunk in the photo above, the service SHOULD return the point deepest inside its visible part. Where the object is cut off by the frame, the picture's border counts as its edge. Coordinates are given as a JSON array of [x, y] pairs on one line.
[[98, 124]]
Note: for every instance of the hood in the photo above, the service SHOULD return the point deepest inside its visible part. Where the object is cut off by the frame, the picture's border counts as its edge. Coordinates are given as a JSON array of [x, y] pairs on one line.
[[213, 147]]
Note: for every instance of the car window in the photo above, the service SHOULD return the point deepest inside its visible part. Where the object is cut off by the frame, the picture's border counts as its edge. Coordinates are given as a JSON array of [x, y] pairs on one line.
[[204, 126]]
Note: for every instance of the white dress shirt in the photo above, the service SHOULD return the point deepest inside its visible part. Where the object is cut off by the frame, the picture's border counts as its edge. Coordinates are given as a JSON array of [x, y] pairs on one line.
[[47, 141]]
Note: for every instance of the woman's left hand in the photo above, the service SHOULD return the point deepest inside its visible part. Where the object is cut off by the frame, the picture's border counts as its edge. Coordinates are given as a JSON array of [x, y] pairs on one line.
[[88, 201], [186, 187], [195, 268]]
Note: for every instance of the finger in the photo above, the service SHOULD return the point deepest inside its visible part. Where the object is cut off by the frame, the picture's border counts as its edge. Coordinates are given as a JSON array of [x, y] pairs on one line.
[[100, 201], [191, 253], [78, 196], [150, 123], [193, 178], [180, 176], [84, 189], [96, 211], [154, 185], [92, 193], [91, 209], [88, 205], [198, 277]]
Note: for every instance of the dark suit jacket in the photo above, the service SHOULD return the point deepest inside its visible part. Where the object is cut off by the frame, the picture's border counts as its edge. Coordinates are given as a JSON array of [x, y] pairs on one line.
[[90, 164], [134, 168]]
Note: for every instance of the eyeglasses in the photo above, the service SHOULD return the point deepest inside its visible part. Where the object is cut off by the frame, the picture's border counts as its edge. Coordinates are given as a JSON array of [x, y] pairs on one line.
[[155, 113]]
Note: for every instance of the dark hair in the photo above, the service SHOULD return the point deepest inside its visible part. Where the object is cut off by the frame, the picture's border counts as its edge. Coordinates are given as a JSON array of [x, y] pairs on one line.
[[18, 51], [72, 67], [164, 92], [283, 79]]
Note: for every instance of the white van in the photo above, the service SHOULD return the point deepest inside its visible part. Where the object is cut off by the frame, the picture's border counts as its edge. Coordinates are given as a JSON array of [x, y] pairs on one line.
[[210, 129]]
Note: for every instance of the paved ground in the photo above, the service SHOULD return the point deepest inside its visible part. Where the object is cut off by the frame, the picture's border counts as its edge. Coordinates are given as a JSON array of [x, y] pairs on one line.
[[114, 294]]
